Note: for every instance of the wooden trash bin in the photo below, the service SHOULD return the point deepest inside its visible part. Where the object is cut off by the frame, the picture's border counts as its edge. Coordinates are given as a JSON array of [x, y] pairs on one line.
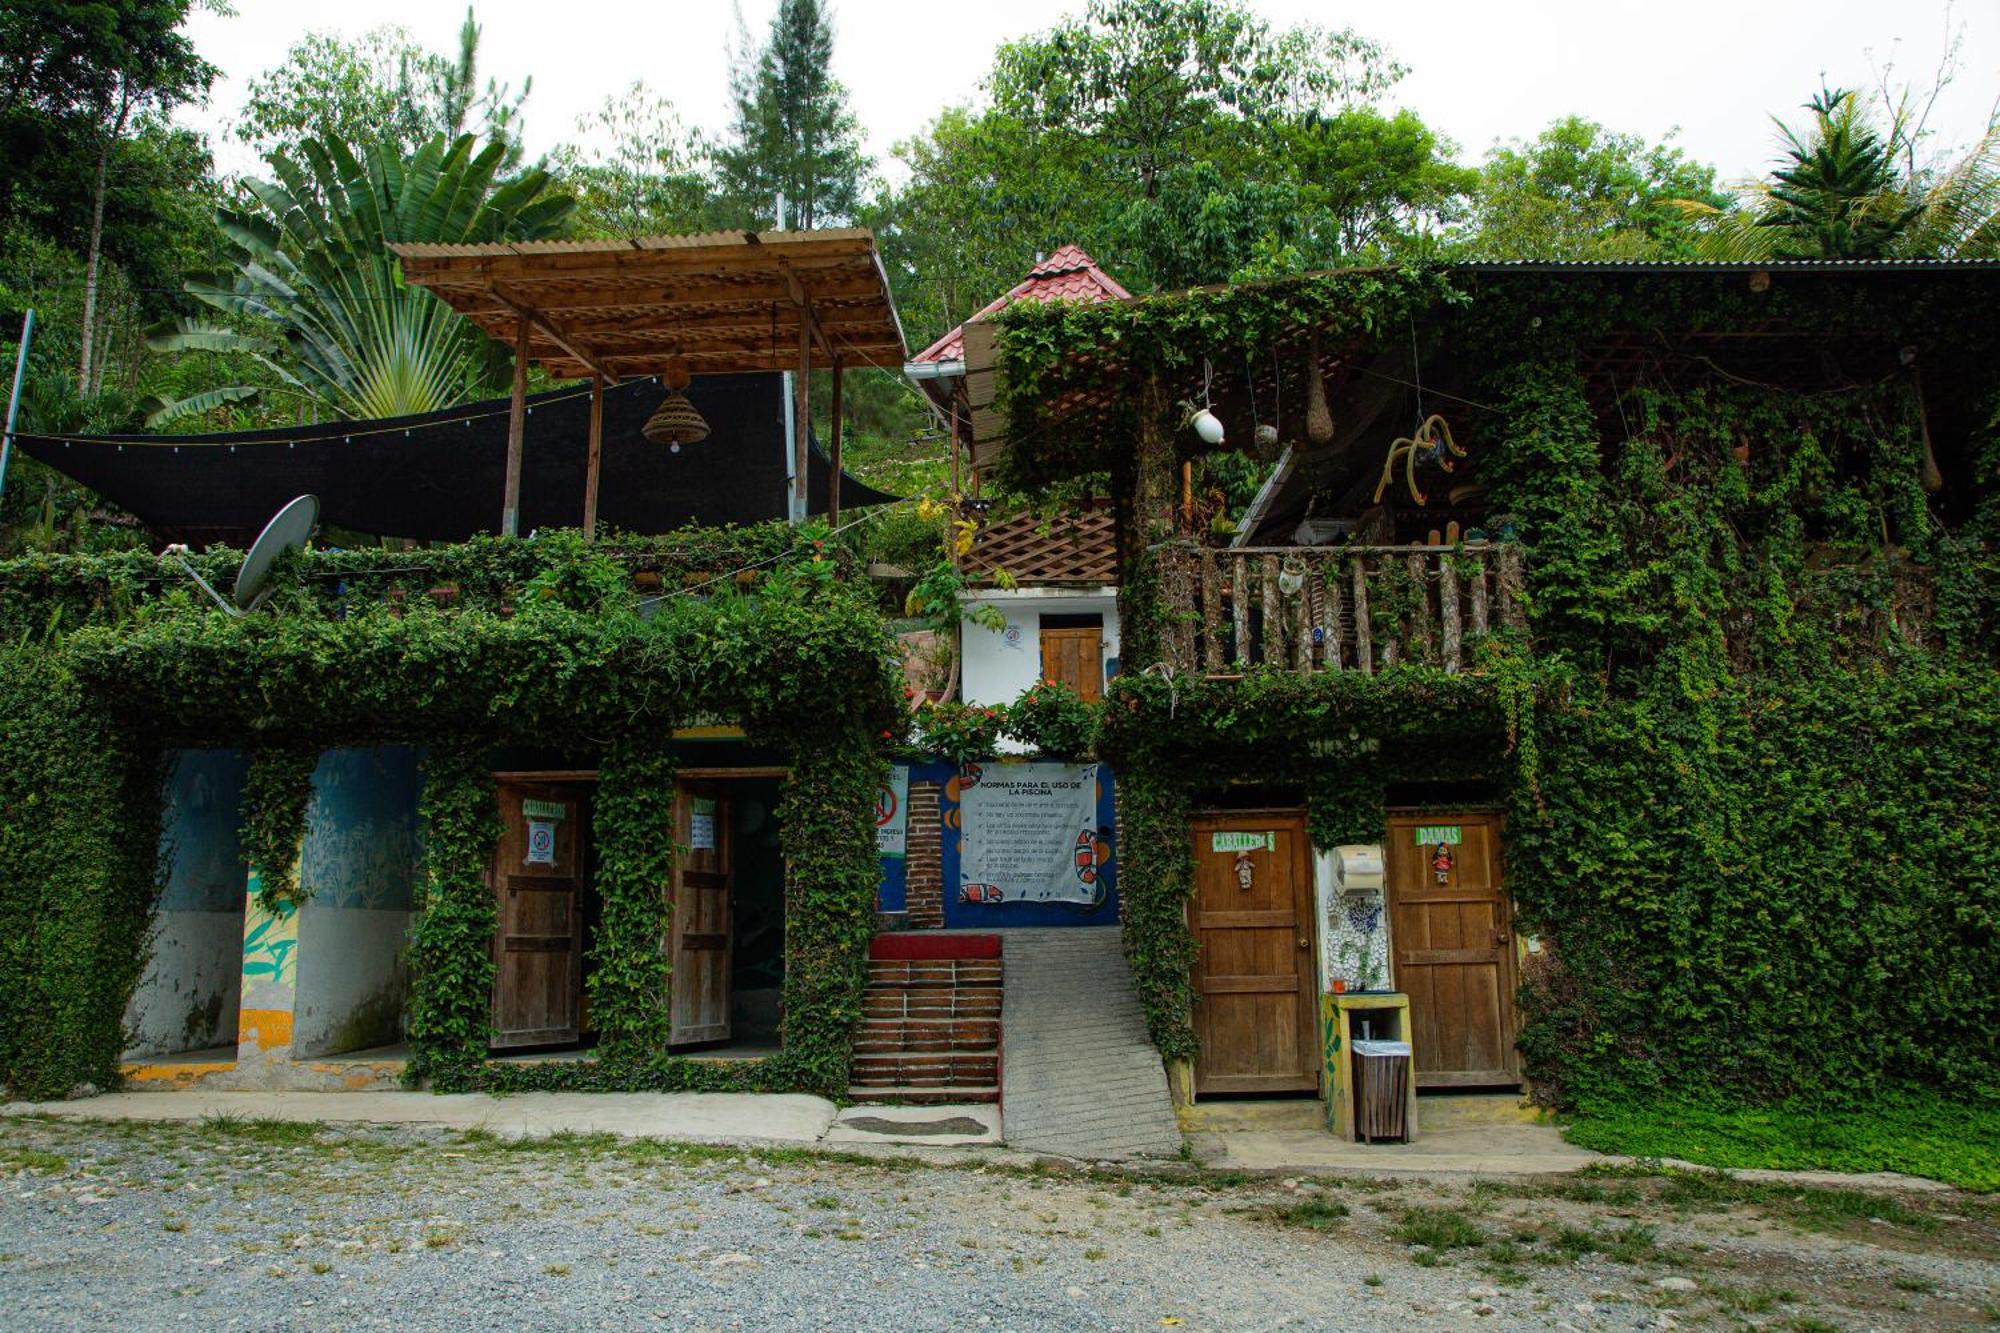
[[1381, 1091]]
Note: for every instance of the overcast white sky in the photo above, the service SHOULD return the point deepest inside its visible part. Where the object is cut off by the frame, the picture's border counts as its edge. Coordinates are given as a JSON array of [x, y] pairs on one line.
[[1481, 70]]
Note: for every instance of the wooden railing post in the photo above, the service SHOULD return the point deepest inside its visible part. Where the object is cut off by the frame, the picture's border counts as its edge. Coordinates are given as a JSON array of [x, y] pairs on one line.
[[1302, 639], [1239, 596], [1364, 632], [1211, 615], [1420, 610], [1448, 610], [1479, 623], [1274, 620], [1332, 626], [1512, 614]]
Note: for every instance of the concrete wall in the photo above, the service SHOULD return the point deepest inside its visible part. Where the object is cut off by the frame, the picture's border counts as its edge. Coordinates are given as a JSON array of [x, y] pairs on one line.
[[187, 997], [359, 869], [1000, 664]]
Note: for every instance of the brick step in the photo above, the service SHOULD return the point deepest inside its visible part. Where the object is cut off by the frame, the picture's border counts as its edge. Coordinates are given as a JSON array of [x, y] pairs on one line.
[[978, 972], [942, 1005], [880, 1096], [889, 1035], [925, 1070]]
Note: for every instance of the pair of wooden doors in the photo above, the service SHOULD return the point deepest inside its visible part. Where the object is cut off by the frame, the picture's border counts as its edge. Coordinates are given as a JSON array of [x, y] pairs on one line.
[[1255, 978], [541, 876]]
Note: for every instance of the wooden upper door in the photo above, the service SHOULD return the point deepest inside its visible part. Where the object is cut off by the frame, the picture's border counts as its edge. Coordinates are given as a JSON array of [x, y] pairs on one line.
[[1074, 656], [701, 926], [538, 875], [1453, 937], [1253, 978]]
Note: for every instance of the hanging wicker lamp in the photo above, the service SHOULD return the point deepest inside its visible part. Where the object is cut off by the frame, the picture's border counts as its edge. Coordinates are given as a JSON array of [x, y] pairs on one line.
[[675, 421]]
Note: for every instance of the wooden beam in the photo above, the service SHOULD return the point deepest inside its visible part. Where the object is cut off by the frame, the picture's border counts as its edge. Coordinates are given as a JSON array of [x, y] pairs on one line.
[[833, 484], [517, 417], [594, 459], [549, 331], [801, 422]]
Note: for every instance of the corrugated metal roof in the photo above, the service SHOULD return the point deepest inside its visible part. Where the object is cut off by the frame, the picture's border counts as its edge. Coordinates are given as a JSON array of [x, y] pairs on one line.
[[1724, 266]]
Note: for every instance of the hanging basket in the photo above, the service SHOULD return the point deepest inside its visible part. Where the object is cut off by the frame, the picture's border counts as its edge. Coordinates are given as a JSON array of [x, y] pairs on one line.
[[675, 422]]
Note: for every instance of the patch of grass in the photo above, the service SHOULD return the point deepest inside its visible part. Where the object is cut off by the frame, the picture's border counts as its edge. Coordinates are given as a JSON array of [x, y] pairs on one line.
[[826, 1201], [438, 1240], [174, 1224], [1093, 1255], [1914, 1133], [263, 1129], [556, 1270], [1372, 1280], [1632, 1244], [33, 1159], [1316, 1214], [1439, 1229], [1912, 1282], [321, 1267], [1754, 1300]]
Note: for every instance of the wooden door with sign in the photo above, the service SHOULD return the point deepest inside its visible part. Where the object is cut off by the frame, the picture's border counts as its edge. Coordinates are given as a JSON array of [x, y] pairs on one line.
[[1074, 656], [1454, 942], [701, 917], [1253, 978], [538, 876]]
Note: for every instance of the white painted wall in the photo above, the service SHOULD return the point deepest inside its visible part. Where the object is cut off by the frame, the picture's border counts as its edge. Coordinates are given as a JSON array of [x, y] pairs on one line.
[[352, 979], [1000, 664]]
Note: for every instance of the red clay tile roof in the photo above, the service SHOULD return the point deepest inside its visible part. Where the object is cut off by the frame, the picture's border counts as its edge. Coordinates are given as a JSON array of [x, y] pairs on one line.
[[1070, 274]]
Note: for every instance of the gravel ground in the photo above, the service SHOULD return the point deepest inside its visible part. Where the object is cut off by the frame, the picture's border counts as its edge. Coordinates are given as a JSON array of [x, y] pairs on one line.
[[263, 1225]]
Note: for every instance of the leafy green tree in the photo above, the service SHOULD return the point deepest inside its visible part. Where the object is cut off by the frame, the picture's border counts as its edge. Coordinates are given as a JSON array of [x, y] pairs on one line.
[[644, 171], [319, 303], [381, 87], [1581, 191], [1847, 187], [1145, 83], [793, 132], [74, 79]]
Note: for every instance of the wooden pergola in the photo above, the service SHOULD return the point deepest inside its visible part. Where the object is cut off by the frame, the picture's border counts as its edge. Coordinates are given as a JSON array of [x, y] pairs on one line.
[[722, 303]]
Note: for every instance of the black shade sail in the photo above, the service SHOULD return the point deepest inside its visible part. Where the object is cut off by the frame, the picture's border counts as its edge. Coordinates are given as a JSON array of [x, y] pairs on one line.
[[439, 477]]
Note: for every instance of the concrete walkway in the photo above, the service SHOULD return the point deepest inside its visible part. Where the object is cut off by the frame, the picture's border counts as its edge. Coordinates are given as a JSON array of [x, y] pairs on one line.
[[1455, 1136], [1078, 1074], [700, 1117]]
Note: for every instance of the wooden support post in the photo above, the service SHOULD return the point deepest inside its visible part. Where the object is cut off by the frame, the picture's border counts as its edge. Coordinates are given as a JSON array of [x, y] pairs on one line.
[[1448, 610], [1364, 633], [833, 485], [1479, 611], [1274, 621], [801, 418], [517, 432], [1211, 614], [1239, 596], [1330, 574], [593, 460]]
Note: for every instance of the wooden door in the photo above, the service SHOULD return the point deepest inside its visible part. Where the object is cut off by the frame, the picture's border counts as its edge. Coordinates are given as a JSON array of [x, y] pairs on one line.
[[1074, 656], [1452, 933], [538, 876], [701, 926], [1253, 975]]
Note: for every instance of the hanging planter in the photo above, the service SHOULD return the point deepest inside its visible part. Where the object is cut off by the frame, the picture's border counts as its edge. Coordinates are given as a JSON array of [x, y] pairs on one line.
[[1319, 413]]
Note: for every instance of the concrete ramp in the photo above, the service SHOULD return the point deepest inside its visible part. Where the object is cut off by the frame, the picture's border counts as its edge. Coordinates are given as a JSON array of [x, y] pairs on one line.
[[1078, 1075]]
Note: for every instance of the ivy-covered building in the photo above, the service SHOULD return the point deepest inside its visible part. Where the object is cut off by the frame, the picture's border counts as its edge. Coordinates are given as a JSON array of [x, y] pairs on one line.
[[437, 814], [1643, 616]]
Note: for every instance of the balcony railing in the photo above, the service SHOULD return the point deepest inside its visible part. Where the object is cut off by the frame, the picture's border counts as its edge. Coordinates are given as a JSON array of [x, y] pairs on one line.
[[1356, 608]]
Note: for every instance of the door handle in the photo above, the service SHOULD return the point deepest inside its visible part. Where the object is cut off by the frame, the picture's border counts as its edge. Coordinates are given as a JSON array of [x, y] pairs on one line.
[[1501, 937], [1304, 943]]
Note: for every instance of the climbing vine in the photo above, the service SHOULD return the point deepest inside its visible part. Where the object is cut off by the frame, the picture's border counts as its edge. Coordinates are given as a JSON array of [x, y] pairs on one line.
[[460, 651], [1743, 743]]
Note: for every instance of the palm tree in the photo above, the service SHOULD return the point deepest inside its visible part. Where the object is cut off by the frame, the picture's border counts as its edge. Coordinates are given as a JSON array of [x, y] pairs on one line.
[[312, 266], [1848, 189]]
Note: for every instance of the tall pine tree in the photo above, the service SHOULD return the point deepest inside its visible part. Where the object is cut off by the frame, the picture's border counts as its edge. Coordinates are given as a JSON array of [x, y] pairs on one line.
[[793, 134]]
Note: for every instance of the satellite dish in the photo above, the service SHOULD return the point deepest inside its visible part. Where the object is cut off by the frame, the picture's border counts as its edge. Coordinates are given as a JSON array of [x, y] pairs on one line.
[[289, 528]]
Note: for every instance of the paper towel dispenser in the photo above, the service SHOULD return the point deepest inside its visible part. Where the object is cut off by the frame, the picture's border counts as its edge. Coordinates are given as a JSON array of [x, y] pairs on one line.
[[1357, 867]]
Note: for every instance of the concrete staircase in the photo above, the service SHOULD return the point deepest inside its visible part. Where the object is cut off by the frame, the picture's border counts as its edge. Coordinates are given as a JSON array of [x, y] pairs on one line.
[[930, 1031]]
